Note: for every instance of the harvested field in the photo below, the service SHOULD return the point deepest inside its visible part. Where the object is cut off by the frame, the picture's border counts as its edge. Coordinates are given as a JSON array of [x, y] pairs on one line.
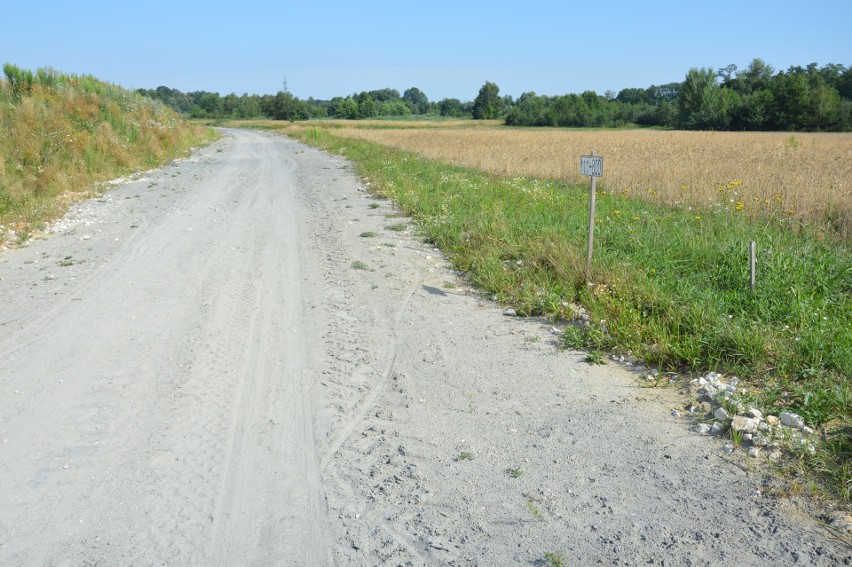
[[803, 177]]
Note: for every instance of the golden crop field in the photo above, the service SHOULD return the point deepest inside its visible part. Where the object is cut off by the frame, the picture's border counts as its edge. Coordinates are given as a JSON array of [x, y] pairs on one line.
[[806, 177]]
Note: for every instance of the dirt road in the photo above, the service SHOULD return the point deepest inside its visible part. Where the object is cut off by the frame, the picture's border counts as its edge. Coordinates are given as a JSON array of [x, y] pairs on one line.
[[234, 361]]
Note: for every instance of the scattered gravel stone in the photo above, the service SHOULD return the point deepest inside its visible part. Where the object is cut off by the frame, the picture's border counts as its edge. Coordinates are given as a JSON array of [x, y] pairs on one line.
[[755, 413], [807, 430], [675, 413], [753, 452], [772, 420], [793, 420], [746, 424], [716, 428], [721, 414], [555, 331], [841, 521], [702, 428], [510, 313], [728, 448]]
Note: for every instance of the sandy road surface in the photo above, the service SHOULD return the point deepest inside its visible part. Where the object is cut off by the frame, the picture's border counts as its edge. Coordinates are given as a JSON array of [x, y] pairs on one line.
[[192, 372]]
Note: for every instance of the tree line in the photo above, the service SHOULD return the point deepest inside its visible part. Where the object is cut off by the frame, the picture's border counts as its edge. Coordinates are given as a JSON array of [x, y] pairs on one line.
[[754, 98], [284, 106]]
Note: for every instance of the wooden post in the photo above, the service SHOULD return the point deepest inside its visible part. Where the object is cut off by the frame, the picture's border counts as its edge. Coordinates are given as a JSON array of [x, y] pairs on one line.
[[752, 249], [591, 228]]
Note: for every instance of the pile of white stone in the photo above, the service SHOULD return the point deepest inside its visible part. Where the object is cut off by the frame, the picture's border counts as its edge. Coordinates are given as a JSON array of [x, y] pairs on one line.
[[747, 426]]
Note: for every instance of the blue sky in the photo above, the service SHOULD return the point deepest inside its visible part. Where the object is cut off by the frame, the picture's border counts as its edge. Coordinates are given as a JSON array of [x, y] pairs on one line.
[[447, 49]]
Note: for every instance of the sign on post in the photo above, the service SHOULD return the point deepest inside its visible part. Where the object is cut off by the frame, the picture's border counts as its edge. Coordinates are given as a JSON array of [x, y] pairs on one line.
[[591, 166]]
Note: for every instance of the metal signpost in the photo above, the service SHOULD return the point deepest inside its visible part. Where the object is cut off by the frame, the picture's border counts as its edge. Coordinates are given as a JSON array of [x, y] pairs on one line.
[[593, 167]]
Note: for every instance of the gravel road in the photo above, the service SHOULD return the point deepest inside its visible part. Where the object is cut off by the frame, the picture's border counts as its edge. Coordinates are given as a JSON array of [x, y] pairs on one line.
[[217, 364]]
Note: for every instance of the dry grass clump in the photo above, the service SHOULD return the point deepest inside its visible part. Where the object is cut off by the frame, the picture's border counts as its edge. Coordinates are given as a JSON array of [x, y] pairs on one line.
[[806, 177]]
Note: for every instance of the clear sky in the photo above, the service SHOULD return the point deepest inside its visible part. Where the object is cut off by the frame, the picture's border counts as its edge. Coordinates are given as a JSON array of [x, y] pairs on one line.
[[447, 49]]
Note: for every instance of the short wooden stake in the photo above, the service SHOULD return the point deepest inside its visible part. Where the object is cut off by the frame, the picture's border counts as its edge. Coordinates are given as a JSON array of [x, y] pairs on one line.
[[752, 264]]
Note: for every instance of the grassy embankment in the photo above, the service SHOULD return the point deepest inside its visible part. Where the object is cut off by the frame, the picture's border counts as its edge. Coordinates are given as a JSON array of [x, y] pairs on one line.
[[60, 135], [671, 284]]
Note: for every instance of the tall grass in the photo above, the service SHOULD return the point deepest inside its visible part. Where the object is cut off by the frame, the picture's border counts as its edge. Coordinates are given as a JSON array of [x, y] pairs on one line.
[[804, 179], [61, 134], [670, 285]]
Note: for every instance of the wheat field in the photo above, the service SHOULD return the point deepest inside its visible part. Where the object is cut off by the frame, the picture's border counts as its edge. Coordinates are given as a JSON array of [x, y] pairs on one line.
[[800, 177]]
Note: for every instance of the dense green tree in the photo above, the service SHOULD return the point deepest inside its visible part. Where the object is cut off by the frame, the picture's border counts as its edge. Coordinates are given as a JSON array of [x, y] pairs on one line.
[[394, 108], [531, 110], [384, 95], [754, 78], [208, 105], [824, 111], [451, 107], [754, 112], [631, 96], [792, 100], [487, 103], [844, 84], [416, 100], [366, 106], [284, 106], [702, 104]]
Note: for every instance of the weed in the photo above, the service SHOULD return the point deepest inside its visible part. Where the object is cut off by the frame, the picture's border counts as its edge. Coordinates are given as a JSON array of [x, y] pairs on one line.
[[573, 337], [398, 227], [464, 456], [367, 234], [374, 205], [595, 357], [534, 510], [554, 559], [471, 395], [514, 473], [359, 265], [737, 437]]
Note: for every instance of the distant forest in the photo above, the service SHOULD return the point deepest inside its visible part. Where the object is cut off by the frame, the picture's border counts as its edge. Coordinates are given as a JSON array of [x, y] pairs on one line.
[[808, 98]]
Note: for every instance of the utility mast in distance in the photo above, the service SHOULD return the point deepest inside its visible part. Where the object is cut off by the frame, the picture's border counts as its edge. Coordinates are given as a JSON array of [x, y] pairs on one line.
[[285, 84]]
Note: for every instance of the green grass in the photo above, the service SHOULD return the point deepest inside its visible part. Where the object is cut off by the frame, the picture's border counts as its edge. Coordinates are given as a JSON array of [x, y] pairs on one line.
[[670, 285]]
